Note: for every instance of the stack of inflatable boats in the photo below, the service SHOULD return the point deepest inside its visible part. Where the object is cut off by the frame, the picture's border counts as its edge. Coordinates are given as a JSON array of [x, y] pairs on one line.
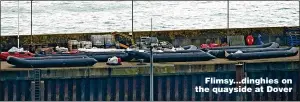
[[269, 50]]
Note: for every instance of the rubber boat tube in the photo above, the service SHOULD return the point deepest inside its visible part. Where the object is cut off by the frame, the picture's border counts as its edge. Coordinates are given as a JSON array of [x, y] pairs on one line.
[[99, 56], [51, 57], [56, 57], [74, 62], [221, 53], [268, 45], [100, 50], [267, 54], [136, 56], [181, 51], [175, 57], [79, 54]]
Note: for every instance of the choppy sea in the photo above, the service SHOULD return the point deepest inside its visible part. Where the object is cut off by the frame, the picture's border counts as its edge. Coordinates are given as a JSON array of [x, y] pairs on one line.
[[106, 16]]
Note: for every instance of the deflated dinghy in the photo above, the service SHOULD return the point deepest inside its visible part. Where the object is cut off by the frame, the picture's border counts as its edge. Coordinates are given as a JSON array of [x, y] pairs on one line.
[[78, 54], [101, 50], [181, 51], [268, 45], [41, 63], [99, 56], [174, 57], [221, 53], [259, 55]]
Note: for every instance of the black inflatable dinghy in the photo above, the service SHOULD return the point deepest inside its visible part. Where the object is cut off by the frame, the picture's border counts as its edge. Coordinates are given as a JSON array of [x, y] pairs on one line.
[[56, 57], [181, 51], [267, 54], [81, 53], [174, 57], [51, 57], [99, 56], [221, 53], [267, 45], [41, 63]]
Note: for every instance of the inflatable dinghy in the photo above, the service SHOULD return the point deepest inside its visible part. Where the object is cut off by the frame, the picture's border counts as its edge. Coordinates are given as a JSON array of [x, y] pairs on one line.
[[79, 54], [268, 45], [174, 57], [100, 50], [56, 57], [221, 53], [41, 63], [99, 56], [181, 51], [50, 57], [4, 55], [258, 55]]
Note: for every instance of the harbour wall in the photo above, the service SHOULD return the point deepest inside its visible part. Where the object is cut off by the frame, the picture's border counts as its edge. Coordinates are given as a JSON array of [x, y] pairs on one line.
[[171, 83], [177, 37]]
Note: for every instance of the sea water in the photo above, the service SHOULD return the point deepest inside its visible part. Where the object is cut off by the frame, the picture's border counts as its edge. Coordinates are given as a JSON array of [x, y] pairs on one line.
[[106, 16]]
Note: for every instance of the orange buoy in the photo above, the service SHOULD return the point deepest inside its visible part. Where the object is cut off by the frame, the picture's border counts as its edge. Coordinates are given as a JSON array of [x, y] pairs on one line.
[[250, 40]]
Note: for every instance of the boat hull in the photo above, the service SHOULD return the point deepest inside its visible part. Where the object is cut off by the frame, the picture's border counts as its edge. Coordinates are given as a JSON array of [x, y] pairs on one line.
[[221, 53], [268, 45], [41, 63], [259, 55], [49, 57], [99, 56], [174, 57], [181, 51]]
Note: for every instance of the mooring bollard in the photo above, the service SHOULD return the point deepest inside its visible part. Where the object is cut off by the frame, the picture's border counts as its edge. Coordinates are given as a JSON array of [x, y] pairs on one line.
[[239, 75]]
